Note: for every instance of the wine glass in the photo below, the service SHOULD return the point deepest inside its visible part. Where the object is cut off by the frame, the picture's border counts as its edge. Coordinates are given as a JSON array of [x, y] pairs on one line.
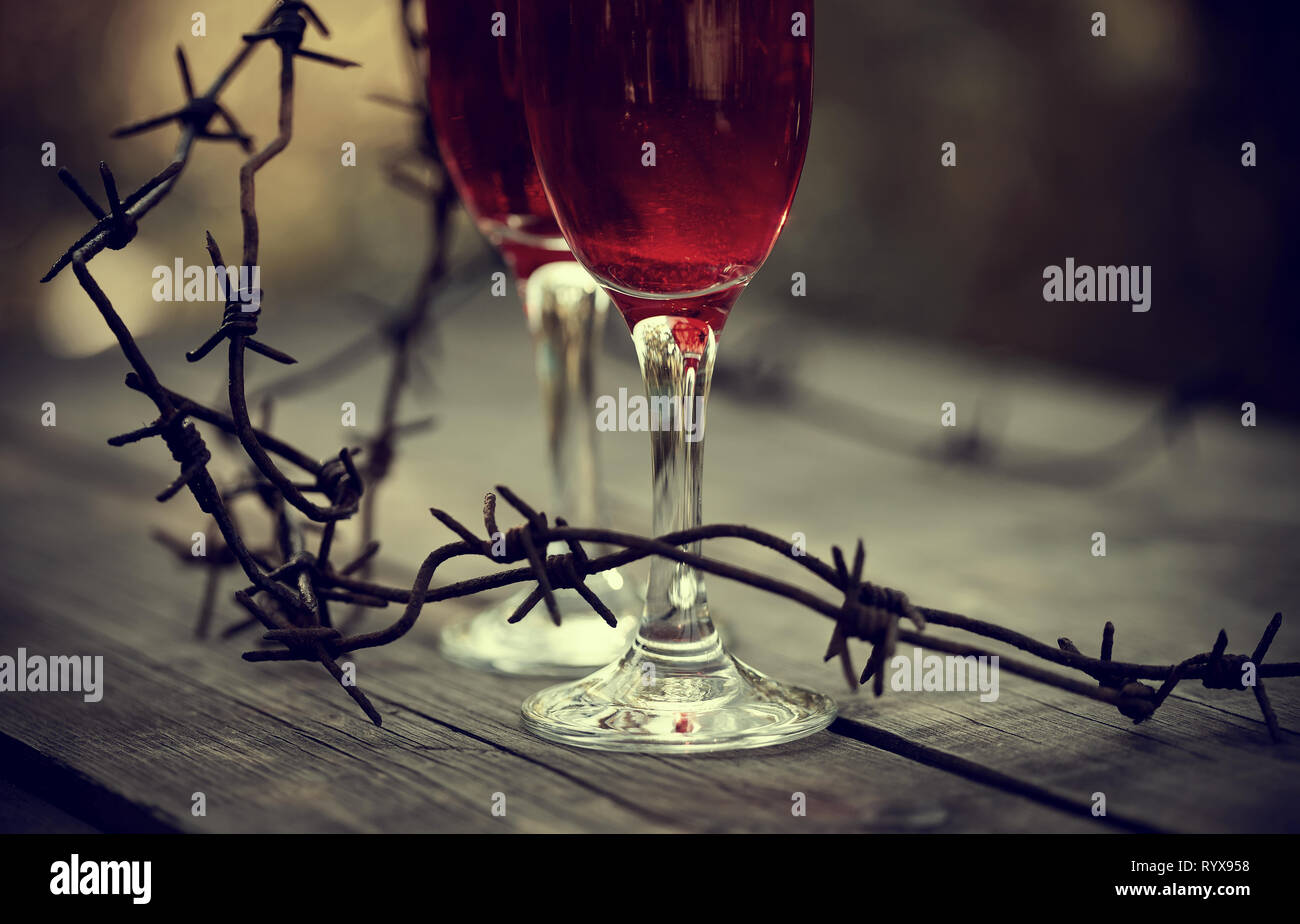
[[669, 135], [478, 118]]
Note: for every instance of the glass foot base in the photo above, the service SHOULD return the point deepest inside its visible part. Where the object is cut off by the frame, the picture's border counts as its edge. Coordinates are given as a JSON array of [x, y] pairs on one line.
[[536, 646], [649, 704]]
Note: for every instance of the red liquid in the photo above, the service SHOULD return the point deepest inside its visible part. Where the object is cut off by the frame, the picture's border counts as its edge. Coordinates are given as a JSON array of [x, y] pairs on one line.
[[478, 115], [722, 88]]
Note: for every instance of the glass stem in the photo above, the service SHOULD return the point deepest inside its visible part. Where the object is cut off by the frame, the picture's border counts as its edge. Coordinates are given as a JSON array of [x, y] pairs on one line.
[[676, 356], [565, 309]]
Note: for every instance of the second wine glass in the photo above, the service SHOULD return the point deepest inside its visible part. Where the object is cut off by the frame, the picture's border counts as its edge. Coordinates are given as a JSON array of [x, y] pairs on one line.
[[477, 110]]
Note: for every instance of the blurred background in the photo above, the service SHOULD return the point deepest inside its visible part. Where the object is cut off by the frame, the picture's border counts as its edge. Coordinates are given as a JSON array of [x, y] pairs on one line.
[[1123, 149]]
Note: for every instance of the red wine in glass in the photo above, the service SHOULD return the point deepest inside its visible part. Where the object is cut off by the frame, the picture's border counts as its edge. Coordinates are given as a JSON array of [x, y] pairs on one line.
[[477, 110], [670, 135]]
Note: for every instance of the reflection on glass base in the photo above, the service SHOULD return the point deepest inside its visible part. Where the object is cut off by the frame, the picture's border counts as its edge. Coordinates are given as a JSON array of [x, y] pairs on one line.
[[537, 647], [653, 702]]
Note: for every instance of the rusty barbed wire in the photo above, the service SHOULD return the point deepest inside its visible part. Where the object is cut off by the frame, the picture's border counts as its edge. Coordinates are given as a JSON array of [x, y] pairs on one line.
[[761, 375], [291, 584]]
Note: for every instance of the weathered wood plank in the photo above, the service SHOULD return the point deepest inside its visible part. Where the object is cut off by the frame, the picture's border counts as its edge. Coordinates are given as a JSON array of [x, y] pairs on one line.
[[22, 812], [276, 756], [1194, 545], [1190, 768], [453, 741]]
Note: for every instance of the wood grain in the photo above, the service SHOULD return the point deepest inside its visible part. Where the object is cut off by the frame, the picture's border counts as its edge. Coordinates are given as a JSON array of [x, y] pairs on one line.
[[277, 747], [1197, 541]]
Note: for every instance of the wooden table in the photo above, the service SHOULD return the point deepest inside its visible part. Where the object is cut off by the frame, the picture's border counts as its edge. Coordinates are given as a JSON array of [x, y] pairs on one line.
[[1199, 538]]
